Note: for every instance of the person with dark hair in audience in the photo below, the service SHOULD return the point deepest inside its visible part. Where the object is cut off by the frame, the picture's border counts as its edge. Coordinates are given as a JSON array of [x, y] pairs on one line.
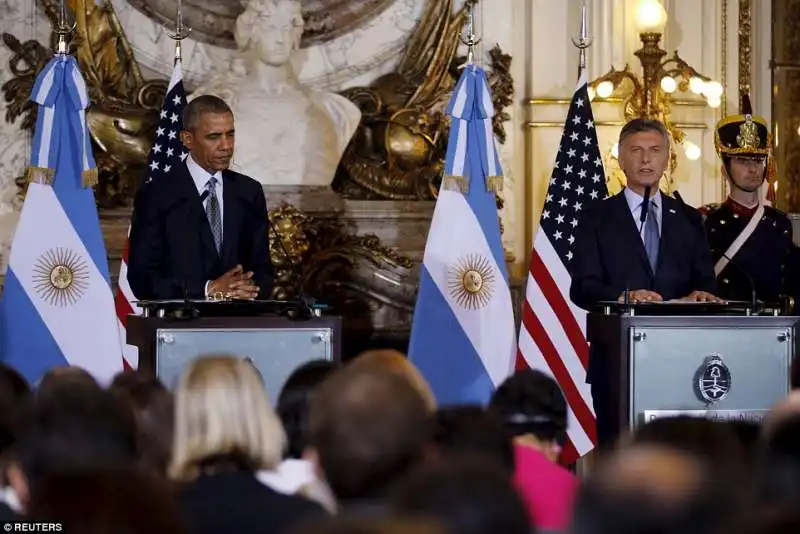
[[475, 431], [296, 474], [15, 395], [655, 490], [225, 433], [369, 427], [534, 410], [72, 430], [778, 480], [64, 378], [107, 502], [153, 406], [714, 443], [470, 495]]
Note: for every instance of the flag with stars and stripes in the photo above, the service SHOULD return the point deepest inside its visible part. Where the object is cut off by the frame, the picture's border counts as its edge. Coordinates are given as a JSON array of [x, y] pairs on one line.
[[553, 332], [166, 152]]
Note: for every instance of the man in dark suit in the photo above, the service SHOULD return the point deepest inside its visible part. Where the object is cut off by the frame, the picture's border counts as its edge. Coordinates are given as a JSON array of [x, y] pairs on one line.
[[202, 230], [660, 256]]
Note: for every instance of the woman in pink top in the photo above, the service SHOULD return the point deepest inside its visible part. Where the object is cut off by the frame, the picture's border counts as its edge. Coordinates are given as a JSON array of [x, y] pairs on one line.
[[533, 407]]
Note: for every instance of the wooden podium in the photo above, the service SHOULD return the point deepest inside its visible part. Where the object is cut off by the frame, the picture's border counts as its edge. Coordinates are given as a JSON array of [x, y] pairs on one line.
[[275, 344], [725, 367]]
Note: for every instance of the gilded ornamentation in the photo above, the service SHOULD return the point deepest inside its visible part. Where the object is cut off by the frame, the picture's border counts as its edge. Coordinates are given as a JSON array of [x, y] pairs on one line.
[[786, 101], [60, 277], [398, 151], [124, 108], [745, 47], [357, 275], [748, 135]]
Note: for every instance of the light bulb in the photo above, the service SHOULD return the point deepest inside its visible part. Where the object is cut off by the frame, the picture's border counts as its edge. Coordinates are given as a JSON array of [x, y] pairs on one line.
[[605, 89], [651, 16], [713, 89], [696, 85], [714, 102], [692, 150], [615, 150], [592, 93], [668, 84]]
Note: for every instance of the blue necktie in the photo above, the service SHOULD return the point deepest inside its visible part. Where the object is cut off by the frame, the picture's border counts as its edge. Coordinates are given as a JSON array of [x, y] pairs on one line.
[[212, 212], [651, 239]]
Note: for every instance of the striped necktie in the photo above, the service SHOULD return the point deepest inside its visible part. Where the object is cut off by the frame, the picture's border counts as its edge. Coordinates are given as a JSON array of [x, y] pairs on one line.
[[213, 212]]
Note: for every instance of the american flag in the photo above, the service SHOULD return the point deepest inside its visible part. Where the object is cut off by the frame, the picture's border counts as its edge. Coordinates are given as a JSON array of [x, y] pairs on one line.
[[166, 152], [553, 332]]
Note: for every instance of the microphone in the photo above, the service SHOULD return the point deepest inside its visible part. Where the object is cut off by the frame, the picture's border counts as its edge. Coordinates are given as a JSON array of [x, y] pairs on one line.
[[204, 196], [645, 209], [750, 281]]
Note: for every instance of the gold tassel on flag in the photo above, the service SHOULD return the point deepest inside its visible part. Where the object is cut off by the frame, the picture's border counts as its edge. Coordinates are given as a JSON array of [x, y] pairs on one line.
[[39, 175]]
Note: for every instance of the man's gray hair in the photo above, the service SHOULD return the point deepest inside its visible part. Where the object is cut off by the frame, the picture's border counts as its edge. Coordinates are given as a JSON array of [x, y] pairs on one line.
[[201, 105], [643, 125]]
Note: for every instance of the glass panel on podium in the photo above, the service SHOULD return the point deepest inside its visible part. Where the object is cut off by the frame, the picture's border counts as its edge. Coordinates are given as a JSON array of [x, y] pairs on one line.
[[274, 352]]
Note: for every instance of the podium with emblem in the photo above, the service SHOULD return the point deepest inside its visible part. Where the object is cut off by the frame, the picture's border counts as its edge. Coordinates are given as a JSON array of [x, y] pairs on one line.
[[704, 360]]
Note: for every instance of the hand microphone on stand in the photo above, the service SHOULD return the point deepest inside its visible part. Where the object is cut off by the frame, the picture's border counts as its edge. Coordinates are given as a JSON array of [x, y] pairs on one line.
[[645, 209], [753, 296]]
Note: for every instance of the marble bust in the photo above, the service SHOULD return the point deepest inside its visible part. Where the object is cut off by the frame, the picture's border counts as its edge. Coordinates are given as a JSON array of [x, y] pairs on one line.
[[287, 134]]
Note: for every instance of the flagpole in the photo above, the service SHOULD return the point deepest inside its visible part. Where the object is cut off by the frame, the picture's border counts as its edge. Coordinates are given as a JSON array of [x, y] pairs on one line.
[[583, 41], [63, 30], [468, 37], [181, 32]]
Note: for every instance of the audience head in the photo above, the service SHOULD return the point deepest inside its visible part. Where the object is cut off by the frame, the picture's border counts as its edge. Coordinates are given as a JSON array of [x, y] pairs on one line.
[[65, 378], [389, 525], [462, 430], [294, 401], [716, 444], [469, 495], [154, 408], [13, 385], [779, 464], [397, 363], [73, 430], [786, 408], [534, 409], [223, 417], [368, 427], [652, 489], [106, 503]]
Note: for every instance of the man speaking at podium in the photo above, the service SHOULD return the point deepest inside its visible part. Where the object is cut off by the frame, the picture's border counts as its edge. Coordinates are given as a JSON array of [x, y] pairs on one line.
[[201, 231], [639, 246]]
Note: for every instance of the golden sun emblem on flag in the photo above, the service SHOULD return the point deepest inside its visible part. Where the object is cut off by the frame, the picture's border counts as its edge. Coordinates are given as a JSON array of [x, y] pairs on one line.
[[471, 281], [60, 277]]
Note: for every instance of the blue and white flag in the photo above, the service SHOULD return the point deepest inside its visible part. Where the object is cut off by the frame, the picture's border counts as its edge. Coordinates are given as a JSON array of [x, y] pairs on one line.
[[57, 307], [463, 338]]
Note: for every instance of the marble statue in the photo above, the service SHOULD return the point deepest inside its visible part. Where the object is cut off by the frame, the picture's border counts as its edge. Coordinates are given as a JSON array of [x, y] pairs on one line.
[[286, 133]]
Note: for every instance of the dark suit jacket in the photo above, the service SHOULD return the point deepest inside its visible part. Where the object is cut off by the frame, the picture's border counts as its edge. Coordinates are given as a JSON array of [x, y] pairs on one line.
[[609, 257], [171, 245], [236, 502]]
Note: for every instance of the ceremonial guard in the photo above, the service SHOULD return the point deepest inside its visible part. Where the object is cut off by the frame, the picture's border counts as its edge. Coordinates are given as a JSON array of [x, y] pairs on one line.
[[751, 242]]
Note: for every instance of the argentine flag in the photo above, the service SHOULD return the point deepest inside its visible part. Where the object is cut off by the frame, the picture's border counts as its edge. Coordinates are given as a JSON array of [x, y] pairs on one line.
[[57, 308], [463, 338]]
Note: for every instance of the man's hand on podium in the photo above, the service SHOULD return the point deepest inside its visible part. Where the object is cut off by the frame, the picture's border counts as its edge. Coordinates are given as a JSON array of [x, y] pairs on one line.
[[702, 296], [235, 284], [638, 296]]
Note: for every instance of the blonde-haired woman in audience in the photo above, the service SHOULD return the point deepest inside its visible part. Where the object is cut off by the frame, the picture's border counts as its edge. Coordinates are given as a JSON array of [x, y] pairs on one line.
[[396, 362], [225, 432]]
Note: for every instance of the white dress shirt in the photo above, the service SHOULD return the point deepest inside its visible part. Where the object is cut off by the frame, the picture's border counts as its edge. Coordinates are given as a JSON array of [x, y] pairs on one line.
[[635, 201], [201, 177]]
